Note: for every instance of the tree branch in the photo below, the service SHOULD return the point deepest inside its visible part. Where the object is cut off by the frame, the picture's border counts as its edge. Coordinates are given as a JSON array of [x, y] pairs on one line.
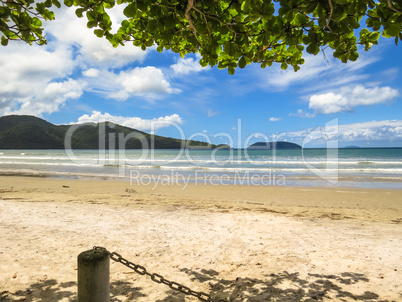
[[392, 7], [190, 5], [330, 14]]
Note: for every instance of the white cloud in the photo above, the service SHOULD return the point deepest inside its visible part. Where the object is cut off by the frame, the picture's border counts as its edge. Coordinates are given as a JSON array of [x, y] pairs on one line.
[[30, 75], [27, 79], [313, 66], [147, 82], [350, 97], [144, 80], [302, 114], [91, 73], [188, 65], [274, 119], [53, 97], [69, 31], [318, 72], [374, 131], [132, 122]]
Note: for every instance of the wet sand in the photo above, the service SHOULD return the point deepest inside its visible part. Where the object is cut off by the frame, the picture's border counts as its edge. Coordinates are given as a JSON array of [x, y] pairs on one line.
[[239, 243]]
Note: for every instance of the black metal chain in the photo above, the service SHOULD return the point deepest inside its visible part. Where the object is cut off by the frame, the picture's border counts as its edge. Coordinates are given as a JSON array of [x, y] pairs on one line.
[[158, 278]]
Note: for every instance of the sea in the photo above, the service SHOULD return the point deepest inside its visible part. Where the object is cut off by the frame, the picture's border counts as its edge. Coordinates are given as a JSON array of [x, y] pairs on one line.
[[358, 168]]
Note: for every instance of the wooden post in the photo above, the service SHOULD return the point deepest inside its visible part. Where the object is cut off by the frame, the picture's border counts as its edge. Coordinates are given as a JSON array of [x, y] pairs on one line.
[[93, 276]]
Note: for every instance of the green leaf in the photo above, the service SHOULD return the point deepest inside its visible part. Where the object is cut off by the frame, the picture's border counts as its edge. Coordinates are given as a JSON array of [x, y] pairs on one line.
[[313, 49], [170, 22], [393, 30], [79, 12], [4, 41], [36, 22], [231, 70], [56, 3], [92, 16], [301, 19], [69, 3], [152, 25], [203, 62], [48, 3], [353, 56], [284, 66], [40, 7], [242, 62], [374, 36], [99, 32], [130, 10], [91, 24], [159, 48]]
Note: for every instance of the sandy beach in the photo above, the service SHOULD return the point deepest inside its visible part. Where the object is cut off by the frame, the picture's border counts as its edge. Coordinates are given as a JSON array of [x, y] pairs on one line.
[[239, 243]]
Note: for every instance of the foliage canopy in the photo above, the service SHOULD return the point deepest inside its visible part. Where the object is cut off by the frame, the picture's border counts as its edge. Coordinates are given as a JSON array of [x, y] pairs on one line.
[[227, 33]]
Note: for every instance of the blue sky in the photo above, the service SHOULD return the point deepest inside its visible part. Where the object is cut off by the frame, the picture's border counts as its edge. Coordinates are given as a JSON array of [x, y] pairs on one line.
[[78, 77]]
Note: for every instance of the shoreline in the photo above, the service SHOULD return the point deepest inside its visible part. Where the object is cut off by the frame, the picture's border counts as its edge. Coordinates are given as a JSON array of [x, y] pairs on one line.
[[241, 243], [201, 177], [345, 169], [314, 202]]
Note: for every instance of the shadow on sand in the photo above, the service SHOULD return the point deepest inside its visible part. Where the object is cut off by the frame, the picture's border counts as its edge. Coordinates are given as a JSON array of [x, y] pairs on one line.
[[279, 287], [52, 291], [276, 287]]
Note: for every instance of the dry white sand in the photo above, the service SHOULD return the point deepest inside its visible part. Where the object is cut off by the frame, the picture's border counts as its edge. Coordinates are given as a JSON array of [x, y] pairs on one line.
[[242, 248]]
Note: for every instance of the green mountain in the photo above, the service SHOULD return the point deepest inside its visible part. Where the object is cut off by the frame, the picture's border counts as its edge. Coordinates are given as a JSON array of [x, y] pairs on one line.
[[29, 132], [274, 145]]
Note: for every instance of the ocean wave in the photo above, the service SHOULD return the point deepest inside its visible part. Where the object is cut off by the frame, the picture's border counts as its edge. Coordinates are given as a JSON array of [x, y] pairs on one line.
[[157, 161], [51, 164]]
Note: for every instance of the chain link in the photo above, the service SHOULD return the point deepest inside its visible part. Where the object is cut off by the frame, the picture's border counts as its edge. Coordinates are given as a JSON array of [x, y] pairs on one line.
[[158, 278]]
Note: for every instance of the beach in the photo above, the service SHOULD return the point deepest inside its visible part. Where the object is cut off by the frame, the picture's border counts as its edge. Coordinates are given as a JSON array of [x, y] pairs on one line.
[[239, 243]]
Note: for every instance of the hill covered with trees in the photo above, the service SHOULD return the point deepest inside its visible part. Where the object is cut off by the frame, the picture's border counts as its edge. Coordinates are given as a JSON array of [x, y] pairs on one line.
[[274, 145], [29, 132]]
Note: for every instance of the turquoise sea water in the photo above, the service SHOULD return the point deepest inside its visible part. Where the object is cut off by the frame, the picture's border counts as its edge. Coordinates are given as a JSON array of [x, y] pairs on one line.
[[368, 168]]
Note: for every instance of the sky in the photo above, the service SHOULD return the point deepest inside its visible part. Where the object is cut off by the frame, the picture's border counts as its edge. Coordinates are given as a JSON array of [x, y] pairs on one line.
[[79, 78]]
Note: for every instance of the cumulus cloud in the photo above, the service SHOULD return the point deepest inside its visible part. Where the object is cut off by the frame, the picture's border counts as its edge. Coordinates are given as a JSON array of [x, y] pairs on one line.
[[27, 80], [144, 80], [188, 65], [132, 122], [148, 82], [37, 80], [274, 119], [350, 97], [53, 97]]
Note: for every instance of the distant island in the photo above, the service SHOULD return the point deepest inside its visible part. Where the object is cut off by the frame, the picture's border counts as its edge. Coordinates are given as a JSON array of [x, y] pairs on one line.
[[30, 132], [274, 145], [351, 147]]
